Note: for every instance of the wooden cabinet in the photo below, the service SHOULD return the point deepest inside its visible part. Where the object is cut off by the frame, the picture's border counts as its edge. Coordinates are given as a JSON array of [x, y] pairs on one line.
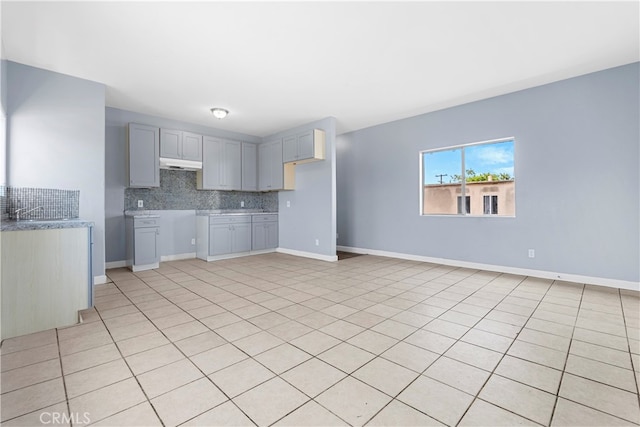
[[177, 144], [143, 242], [270, 169], [304, 147], [143, 155], [221, 165], [249, 167], [264, 232]]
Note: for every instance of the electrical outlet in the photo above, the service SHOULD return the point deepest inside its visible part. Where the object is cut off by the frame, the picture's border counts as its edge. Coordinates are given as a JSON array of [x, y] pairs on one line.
[[317, 242], [532, 253], [242, 204], [193, 241], [140, 204], [288, 203]]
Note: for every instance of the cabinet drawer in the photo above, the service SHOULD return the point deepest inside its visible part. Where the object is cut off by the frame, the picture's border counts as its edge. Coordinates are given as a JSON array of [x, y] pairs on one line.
[[265, 218], [229, 219], [146, 222]]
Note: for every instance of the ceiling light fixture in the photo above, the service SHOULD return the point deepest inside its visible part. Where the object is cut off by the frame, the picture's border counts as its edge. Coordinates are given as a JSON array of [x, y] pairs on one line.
[[219, 113]]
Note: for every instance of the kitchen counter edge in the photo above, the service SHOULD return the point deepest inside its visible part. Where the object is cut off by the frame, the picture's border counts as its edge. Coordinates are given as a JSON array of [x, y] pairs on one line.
[[12, 225]]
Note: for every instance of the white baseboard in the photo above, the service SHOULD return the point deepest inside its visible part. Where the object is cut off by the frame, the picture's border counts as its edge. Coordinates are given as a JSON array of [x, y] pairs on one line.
[[115, 264], [178, 257], [576, 278], [304, 254], [99, 280]]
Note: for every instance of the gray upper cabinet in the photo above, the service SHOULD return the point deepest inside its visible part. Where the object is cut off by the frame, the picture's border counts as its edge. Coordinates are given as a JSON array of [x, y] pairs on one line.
[[304, 147], [171, 143], [191, 146], [176, 144], [290, 149], [249, 167], [270, 166], [143, 155], [221, 165]]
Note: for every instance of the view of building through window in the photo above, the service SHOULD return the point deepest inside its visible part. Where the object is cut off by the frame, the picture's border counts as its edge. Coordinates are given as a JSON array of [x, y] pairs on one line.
[[483, 172]]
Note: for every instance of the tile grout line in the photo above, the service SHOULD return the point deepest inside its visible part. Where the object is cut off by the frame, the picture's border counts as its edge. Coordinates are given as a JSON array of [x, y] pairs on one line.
[[566, 360], [633, 367]]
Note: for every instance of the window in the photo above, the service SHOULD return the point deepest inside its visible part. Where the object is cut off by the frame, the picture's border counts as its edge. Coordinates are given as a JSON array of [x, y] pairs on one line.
[[452, 178], [467, 204], [490, 205]]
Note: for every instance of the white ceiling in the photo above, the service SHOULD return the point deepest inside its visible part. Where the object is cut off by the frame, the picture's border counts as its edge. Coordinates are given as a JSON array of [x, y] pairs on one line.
[[279, 65]]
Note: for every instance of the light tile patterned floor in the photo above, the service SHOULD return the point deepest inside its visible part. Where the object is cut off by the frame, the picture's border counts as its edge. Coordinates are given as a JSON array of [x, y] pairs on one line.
[[279, 340]]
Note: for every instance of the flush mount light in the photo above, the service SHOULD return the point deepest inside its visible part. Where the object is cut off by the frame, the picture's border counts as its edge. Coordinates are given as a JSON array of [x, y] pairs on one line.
[[219, 113]]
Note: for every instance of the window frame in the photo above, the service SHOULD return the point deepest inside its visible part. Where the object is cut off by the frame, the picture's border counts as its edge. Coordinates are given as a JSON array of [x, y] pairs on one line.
[[463, 180]]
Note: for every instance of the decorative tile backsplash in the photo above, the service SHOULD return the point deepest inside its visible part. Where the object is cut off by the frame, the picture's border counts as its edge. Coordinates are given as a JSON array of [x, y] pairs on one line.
[[39, 203], [178, 191]]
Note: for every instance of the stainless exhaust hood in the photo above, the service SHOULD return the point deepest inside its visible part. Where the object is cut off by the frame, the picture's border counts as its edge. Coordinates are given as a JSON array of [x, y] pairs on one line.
[[179, 164]]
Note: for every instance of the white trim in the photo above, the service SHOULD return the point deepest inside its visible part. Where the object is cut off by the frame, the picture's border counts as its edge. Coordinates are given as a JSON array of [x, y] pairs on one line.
[[177, 257], [576, 278], [99, 280], [144, 267], [115, 264], [304, 254]]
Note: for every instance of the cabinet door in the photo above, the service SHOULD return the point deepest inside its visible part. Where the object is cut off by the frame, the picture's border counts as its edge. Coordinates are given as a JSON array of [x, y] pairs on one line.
[[171, 143], [290, 149], [271, 235], [143, 155], [264, 167], [191, 146], [277, 168], [305, 145], [232, 165], [212, 153], [270, 166], [220, 239], [258, 237], [249, 167], [241, 237], [146, 246]]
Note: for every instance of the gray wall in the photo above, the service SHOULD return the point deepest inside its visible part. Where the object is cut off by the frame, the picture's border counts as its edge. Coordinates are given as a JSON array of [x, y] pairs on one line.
[[115, 180], [312, 214], [55, 139], [577, 180], [177, 228], [3, 120]]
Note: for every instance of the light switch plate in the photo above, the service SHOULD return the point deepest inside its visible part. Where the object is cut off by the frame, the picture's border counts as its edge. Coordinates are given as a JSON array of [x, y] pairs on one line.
[[140, 204]]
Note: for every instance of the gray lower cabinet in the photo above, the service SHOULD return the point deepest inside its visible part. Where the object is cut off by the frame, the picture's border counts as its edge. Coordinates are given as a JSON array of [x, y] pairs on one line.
[[264, 232], [143, 242], [228, 236], [143, 155], [222, 235]]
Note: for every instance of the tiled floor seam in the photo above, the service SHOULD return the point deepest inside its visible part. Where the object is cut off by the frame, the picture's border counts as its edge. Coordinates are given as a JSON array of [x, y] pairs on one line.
[[442, 355], [133, 375], [566, 359], [204, 375], [633, 367], [504, 354]]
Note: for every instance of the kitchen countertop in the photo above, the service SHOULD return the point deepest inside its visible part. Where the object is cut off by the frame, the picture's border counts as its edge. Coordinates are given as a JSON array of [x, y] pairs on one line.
[[13, 225], [233, 212], [141, 214]]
